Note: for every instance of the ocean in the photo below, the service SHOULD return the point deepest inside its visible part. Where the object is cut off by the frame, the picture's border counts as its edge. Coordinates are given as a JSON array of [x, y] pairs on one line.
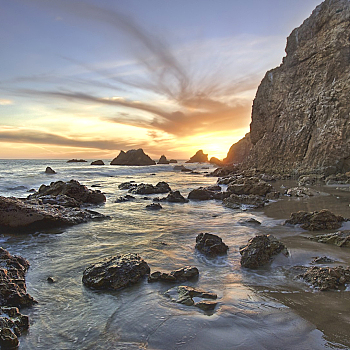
[[257, 309]]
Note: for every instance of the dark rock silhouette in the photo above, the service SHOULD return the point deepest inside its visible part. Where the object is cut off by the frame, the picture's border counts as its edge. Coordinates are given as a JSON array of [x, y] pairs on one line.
[[210, 245], [163, 160], [300, 116], [199, 157], [97, 162], [133, 157], [49, 170], [216, 161], [172, 161], [180, 275], [76, 161]]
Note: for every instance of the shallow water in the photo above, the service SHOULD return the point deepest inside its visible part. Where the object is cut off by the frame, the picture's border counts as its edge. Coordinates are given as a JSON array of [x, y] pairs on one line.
[[262, 309]]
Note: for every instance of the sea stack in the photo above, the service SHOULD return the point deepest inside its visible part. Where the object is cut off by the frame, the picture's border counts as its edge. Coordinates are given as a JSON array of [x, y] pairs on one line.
[[163, 160], [199, 157], [133, 157], [300, 116]]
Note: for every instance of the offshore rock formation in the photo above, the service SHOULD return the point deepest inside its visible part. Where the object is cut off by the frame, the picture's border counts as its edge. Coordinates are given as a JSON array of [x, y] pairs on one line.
[[300, 116], [239, 151], [163, 160], [133, 157], [199, 157], [98, 162]]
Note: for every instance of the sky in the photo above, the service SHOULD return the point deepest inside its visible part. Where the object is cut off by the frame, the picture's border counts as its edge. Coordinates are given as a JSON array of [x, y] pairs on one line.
[[88, 78]]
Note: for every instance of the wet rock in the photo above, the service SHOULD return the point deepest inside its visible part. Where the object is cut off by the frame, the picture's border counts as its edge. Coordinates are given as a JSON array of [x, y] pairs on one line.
[[60, 199], [49, 170], [341, 179], [180, 168], [340, 238], [76, 161], [161, 187], [250, 221], [172, 161], [301, 192], [180, 275], [317, 220], [127, 185], [235, 201], [327, 278], [154, 206], [71, 189], [175, 197], [260, 250], [199, 157], [51, 280], [322, 260], [210, 245], [310, 180], [267, 177], [200, 194], [115, 272], [163, 160], [13, 291], [225, 171], [12, 324], [133, 157], [16, 214], [273, 195], [125, 198], [97, 162], [184, 295], [251, 185]]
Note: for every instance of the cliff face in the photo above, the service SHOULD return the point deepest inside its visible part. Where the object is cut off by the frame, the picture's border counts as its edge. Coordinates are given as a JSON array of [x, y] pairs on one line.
[[239, 151], [300, 117]]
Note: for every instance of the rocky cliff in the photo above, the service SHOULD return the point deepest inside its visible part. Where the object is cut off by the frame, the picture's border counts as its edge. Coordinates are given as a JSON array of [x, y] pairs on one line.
[[300, 116]]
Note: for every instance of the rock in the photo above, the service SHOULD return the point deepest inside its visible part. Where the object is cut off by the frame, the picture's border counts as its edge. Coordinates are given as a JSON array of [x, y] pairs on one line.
[[206, 305], [199, 157], [260, 250], [300, 113], [250, 185], [175, 197], [235, 201], [76, 161], [180, 168], [316, 221], [163, 160], [273, 195], [133, 157], [340, 238], [239, 151], [301, 192], [172, 161], [227, 170], [115, 272], [50, 280], [310, 180], [180, 275], [125, 198], [127, 185], [49, 170], [184, 295], [250, 221], [327, 278], [12, 324], [154, 206], [200, 194], [210, 245], [160, 187], [216, 161], [16, 214], [322, 260], [338, 179], [267, 178], [13, 291], [72, 189], [97, 162]]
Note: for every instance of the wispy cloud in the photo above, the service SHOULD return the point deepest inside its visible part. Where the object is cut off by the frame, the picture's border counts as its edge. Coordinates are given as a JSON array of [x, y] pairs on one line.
[[4, 102]]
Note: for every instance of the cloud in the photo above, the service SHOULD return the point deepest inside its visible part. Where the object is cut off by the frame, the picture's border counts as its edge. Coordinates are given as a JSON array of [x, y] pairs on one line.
[[4, 102], [20, 135]]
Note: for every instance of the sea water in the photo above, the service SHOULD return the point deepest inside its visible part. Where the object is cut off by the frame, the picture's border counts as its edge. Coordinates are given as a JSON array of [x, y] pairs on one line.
[[257, 309]]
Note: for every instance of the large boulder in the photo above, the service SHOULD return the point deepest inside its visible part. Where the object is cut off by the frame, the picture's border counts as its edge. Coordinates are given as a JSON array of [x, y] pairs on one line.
[[16, 214], [180, 275], [13, 291], [175, 197], [133, 157], [49, 171], [115, 272], [340, 238], [199, 157], [72, 189], [243, 201], [300, 116], [317, 220], [250, 185], [160, 187], [210, 245], [260, 250], [163, 160]]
